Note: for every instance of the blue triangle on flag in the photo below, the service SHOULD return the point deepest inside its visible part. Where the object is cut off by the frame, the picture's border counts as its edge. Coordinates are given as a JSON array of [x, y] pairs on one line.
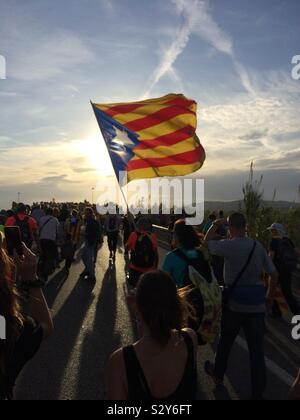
[[119, 140]]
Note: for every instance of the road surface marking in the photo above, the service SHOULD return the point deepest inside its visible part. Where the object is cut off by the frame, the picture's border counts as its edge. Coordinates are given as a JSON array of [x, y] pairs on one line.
[[284, 340], [275, 369]]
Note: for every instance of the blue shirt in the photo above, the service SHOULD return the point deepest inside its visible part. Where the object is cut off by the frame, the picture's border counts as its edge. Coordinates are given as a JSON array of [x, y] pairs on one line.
[[249, 292], [176, 267]]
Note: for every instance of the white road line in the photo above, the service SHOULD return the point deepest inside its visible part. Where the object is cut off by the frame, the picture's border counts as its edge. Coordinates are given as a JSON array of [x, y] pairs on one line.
[[284, 340], [275, 369]]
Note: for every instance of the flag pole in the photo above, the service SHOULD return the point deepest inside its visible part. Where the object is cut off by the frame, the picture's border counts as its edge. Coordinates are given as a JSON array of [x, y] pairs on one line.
[[111, 160]]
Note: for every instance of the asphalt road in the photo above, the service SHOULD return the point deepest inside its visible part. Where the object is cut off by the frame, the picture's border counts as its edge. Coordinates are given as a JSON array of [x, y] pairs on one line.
[[92, 320]]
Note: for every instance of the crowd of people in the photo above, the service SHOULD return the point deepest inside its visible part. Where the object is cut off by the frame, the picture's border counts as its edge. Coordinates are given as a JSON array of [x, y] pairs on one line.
[[169, 304]]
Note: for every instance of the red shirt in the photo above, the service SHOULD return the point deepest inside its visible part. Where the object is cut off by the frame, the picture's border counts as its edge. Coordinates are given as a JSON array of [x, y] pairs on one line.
[[131, 246], [11, 221]]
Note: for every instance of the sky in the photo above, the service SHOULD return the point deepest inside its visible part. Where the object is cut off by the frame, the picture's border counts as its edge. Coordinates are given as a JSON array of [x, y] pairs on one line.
[[233, 57]]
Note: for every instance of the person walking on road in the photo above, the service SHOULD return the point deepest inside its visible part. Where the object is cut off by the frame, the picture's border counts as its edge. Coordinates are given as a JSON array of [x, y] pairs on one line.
[[27, 224], [245, 299], [112, 229], [143, 245], [128, 228], [92, 239], [68, 252], [73, 227], [49, 233]]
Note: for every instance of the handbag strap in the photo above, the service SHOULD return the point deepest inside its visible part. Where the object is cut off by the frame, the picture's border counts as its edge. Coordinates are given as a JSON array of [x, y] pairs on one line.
[[241, 273], [45, 224]]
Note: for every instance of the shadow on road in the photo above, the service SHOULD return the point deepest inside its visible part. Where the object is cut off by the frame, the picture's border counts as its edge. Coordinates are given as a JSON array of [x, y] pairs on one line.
[[47, 370], [99, 342]]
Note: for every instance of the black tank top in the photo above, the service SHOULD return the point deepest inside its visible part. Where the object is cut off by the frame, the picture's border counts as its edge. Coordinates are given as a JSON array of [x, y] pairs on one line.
[[138, 389]]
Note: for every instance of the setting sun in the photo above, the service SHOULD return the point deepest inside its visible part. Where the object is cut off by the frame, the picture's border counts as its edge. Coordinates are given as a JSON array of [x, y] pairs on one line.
[[94, 150]]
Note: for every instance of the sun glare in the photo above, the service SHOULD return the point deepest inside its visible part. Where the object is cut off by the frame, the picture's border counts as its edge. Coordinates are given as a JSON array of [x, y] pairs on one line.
[[94, 150]]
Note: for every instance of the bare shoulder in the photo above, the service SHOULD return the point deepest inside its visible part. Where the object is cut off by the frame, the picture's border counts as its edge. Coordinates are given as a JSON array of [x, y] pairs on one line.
[[115, 378], [116, 359], [115, 367]]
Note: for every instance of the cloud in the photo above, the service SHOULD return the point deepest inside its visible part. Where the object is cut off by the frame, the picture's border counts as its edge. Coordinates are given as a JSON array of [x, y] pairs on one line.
[[243, 128], [285, 181], [254, 135], [8, 94], [83, 170], [198, 21], [57, 179], [290, 136], [284, 159], [48, 56], [170, 56], [108, 4]]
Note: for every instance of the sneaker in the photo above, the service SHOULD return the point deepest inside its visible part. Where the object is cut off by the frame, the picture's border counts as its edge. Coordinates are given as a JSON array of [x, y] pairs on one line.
[[210, 371]]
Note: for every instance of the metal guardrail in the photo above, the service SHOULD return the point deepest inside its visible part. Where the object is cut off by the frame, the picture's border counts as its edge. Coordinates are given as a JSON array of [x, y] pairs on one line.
[[164, 236]]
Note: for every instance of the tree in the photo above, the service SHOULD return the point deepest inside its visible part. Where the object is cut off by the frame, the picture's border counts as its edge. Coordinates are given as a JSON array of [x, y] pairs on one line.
[[253, 195]]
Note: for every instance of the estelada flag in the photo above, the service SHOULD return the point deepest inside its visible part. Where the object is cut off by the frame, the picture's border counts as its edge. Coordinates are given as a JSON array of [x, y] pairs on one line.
[[152, 138]]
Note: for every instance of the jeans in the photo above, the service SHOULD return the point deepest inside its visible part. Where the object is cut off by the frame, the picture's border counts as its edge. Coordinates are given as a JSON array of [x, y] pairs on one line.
[[254, 329], [88, 258], [49, 251]]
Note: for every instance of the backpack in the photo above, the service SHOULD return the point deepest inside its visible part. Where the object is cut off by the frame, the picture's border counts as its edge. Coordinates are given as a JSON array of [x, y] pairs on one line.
[[286, 257], [143, 255], [25, 230], [204, 294]]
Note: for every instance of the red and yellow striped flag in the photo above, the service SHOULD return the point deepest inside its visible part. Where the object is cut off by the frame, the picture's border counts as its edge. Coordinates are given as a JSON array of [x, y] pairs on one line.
[[152, 138]]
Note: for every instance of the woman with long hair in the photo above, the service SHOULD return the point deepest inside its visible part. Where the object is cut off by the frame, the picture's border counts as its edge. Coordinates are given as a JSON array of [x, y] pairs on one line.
[[23, 334], [162, 364]]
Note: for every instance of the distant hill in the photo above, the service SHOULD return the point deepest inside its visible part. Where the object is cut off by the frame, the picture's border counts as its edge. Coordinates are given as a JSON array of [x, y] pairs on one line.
[[237, 205]]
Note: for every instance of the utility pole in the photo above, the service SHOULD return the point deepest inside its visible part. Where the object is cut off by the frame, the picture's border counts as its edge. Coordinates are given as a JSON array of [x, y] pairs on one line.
[[93, 189]]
